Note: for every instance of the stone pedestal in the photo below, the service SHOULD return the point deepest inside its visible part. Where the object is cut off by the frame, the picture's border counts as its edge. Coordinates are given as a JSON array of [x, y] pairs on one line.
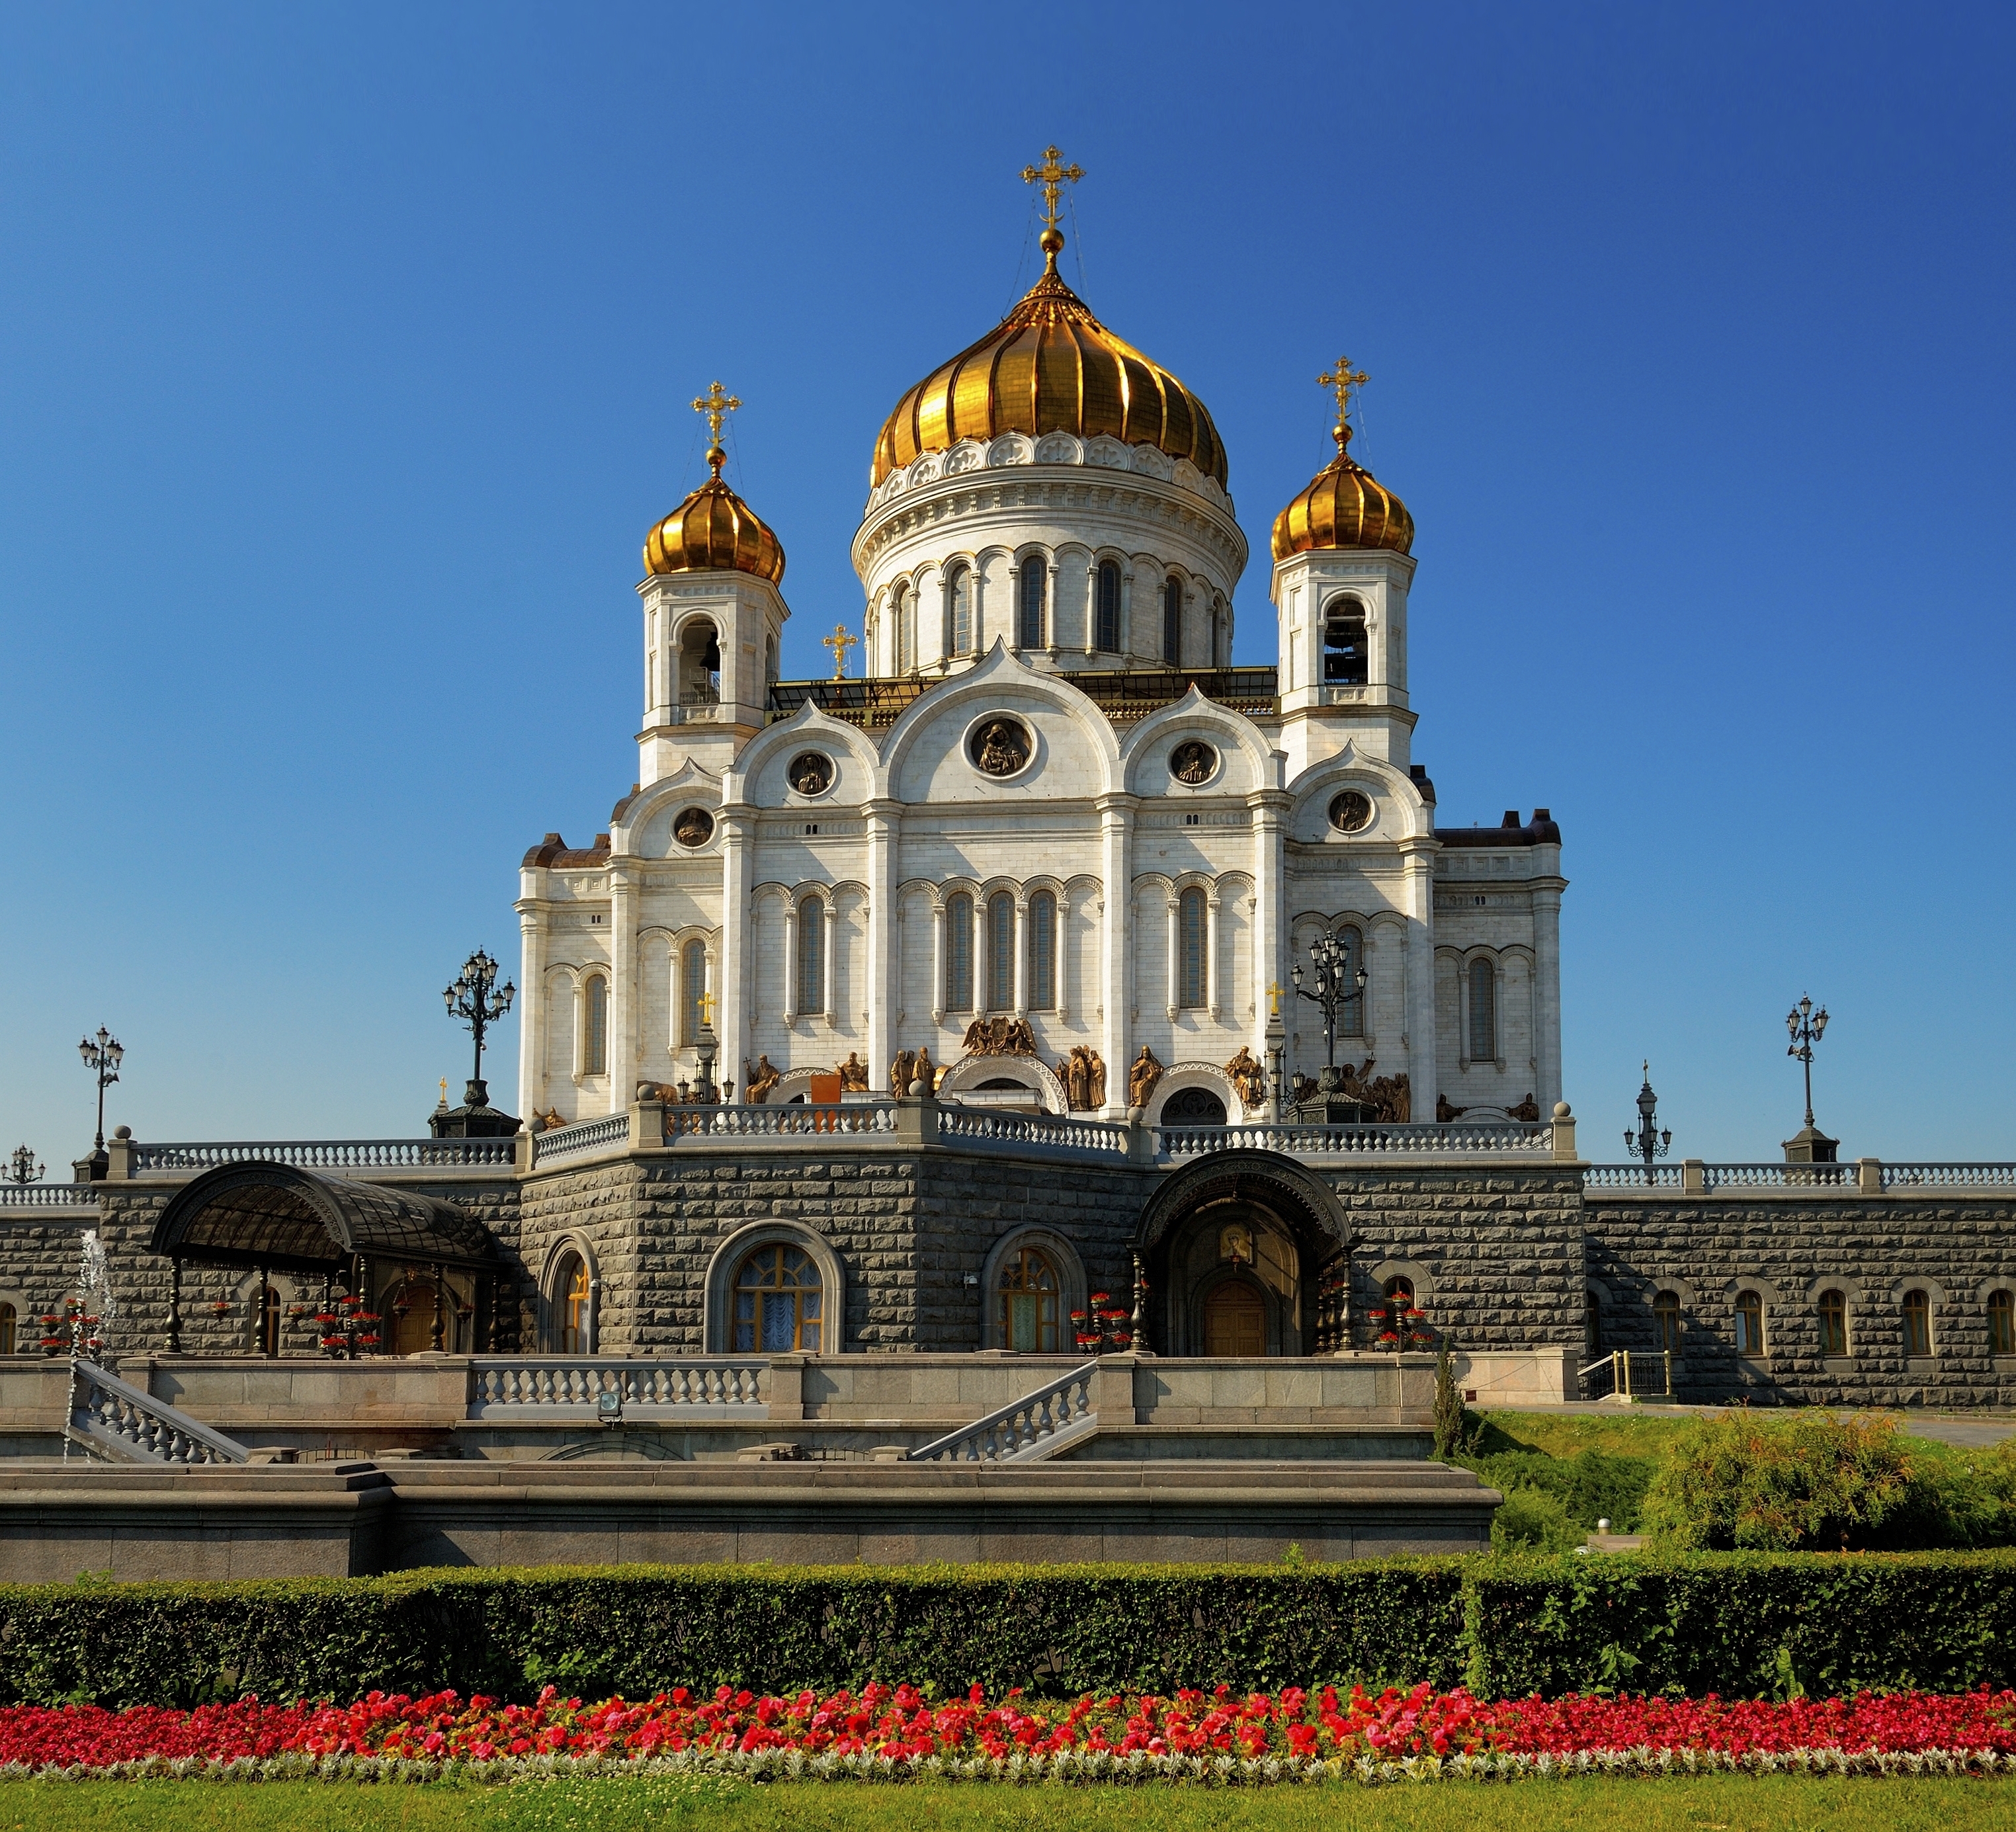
[[1810, 1146]]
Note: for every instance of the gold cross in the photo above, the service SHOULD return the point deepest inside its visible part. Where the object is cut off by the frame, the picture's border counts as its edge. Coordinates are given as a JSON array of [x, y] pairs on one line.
[[840, 641], [1052, 177], [443, 1091], [717, 403], [1342, 378], [1274, 1000], [706, 1011]]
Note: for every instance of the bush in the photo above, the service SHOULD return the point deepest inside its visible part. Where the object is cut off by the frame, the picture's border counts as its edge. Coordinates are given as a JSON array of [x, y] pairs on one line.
[[1591, 1485], [1533, 1521]]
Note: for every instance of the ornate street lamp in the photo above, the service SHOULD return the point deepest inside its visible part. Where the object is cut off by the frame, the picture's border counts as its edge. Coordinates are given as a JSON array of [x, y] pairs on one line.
[[1337, 984], [1806, 1026], [477, 1000], [103, 1057], [1648, 1142], [22, 1168]]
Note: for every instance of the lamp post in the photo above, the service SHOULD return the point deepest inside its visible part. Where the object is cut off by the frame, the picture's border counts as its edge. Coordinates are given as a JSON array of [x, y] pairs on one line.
[[1337, 985], [101, 1055], [477, 1000], [1806, 1025], [22, 1168], [1648, 1142]]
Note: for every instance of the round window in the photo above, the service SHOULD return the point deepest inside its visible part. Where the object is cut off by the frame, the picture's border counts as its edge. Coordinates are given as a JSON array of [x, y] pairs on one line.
[[1352, 811], [1000, 746], [1193, 761], [694, 827], [811, 772]]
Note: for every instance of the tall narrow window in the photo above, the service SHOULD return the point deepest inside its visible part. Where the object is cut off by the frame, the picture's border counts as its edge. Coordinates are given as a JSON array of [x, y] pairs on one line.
[[811, 955], [2001, 1323], [8, 1320], [570, 1316], [1351, 1016], [595, 1027], [1592, 1324], [1172, 622], [1918, 1325], [1749, 1323], [1834, 1323], [958, 599], [1666, 1316], [1031, 581], [958, 953], [1346, 655], [1483, 1012], [693, 989], [1027, 1318], [1191, 929], [1042, 952], [1221, 655], [772, 653], [1000, 952], [1109, 607], [906, 629]]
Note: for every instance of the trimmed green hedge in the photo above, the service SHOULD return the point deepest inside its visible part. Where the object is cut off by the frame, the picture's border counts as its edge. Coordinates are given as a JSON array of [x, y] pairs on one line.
[[1740, 1624]]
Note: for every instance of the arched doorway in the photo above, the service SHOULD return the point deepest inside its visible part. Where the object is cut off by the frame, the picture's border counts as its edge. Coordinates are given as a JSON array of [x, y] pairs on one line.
[[1245, 1257]]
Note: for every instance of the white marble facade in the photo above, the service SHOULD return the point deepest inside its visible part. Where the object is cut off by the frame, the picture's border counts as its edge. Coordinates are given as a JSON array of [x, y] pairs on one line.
[[1131, 906]]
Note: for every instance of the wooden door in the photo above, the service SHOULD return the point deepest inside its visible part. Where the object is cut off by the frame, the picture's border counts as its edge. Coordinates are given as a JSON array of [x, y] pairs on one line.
[[1235, 1320]]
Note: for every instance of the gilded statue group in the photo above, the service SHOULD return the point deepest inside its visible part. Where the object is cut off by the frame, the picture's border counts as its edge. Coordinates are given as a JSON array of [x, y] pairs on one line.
[[1390, 1097]]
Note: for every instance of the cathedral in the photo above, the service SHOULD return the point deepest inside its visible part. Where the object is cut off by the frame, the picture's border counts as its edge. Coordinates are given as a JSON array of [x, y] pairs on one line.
[[1049, 850]]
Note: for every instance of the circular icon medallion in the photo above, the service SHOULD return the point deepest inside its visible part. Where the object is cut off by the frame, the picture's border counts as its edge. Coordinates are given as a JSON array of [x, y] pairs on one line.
[[1352, 811], [1000, 746], [694, 827], [1193, 761], [811, 772]]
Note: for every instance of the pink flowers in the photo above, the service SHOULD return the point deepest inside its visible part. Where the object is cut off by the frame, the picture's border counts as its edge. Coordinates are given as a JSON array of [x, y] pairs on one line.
[[889, 1726]]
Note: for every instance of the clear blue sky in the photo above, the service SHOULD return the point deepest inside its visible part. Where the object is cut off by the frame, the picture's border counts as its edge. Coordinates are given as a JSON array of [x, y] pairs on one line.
[[345, 359]]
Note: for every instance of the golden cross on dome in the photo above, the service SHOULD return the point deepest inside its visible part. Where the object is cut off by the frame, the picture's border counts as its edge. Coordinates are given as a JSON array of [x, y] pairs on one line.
[[840, 641], [1342, 378], [1052, 177], [717, 403]]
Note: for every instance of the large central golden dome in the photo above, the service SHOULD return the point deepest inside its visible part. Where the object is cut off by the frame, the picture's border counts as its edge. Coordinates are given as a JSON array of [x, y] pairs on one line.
[[1050, 366]]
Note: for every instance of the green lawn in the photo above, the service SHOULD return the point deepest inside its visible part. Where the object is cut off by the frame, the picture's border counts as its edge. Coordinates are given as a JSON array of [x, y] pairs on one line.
[[1716, 1804]]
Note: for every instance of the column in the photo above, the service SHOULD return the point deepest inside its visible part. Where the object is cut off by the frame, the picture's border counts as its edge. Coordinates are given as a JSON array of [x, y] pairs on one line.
[[1091, 606], [1418, 859], [1061, 955], [791, 961], [1267, 807], [937, 957], [826, 930], [532, 1027], [1126, 630], [885, 964], [1547, 991], [737, 928], [1211, 952], [622, 987], [1021, 954], [1172, 905], [1116, 824]]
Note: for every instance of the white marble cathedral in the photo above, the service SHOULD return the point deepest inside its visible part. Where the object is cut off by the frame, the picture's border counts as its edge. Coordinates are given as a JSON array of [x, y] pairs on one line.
[[1053, 827]]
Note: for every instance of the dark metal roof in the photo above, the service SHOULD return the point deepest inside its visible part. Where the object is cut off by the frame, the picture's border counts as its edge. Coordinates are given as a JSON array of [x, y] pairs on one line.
[[277, 1215], [1540, 831]]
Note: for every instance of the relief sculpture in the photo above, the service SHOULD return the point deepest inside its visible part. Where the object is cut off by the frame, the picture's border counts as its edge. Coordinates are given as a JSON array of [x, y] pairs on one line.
[[1000, 1036]]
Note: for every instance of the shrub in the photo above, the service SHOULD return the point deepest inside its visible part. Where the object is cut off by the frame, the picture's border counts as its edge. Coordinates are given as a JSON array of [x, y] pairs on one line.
[[1591, 1485], [1533, 1521]]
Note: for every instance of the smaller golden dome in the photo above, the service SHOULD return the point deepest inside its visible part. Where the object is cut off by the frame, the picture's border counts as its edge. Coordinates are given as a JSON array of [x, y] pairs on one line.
[[1344, 505], [714, 531]]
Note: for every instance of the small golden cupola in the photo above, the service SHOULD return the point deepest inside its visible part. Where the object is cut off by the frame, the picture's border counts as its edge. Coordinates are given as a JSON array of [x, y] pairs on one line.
[[1344, 505], [714, 529], [1049, 366]]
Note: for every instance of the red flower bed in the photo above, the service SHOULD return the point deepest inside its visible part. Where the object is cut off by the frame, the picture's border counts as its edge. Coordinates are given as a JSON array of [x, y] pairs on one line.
[[897, 1726]]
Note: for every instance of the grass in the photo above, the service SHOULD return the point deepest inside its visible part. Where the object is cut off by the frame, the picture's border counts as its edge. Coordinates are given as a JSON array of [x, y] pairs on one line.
[[1631, 1431], [1708, 1803]]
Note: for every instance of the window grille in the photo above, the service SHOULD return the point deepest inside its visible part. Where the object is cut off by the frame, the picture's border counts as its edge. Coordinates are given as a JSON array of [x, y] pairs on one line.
[[778, 1302], [1028, 1315], [1172, 622], [1000, 952], [1109, 607], [1042, 952], [958, 953], [906, 632], [959, 591], [1191, 930], [693, 989], [1834, 1323], [596, 1053], [1029, 623], [1483, 1012], [811, 955]]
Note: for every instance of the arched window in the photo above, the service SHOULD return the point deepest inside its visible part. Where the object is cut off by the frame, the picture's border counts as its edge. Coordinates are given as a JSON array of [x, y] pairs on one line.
[[1483, 1012], [1172, 622], [1351, 1015], [906, 629], [1399, 1295], [1042, 952], [570, 1317], [595, 1027], [1026, 1311], [1032, 578], [1592, 1323], [693, 989], [2001, 1323], [1834, 1323], [8, 1322], [958, 604], [1192, 931], [1193, 1107], [1000, 952], [699, 664], [1749, 1323], [1918, 1325], [1221, 655], [1666, 1314], [958, 953], [777, 1297], [811, 955], [1346, 656], [1109, 607], [772, 653]]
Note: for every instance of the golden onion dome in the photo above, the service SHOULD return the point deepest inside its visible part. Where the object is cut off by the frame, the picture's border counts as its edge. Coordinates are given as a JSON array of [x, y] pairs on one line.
[[1344, 505], [1049, 366], [714, 530]]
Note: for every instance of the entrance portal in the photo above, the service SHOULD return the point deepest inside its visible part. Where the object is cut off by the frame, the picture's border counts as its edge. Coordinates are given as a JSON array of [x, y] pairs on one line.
[[1235, 1320]]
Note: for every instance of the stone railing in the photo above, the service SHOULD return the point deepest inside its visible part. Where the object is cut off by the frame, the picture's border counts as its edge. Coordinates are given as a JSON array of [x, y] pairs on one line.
[[1174, 1142], [1020, 1430], [612, 1129], [795, 1120], [1948, 1176], [48, 1195], [1020, 1128], [532, 1386], [1666, 1176], [329, 1154], [130, 1423]]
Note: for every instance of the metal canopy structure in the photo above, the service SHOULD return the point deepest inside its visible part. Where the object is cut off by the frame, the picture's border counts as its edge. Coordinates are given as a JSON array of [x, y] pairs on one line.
[[279, 1218]]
